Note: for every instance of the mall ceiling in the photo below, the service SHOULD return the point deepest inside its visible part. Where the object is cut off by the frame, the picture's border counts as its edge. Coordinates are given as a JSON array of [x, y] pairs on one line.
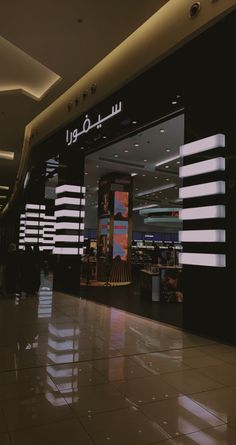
[[44, 49]]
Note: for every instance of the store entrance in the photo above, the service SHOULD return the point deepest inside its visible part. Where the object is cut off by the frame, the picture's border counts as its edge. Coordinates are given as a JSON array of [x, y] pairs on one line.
[[151, 159]]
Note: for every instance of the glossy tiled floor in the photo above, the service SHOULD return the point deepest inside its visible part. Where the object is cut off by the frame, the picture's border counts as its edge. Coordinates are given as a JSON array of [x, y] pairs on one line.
[[78, 373]]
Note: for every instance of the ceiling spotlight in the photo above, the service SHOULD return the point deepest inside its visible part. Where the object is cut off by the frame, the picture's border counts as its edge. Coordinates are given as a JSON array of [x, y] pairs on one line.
[[143, 175], [156, 177], [168, 150], [104, 137], [86, 173], [174, 102], [81, 148], [136, 144], [134, 122], [162, 130], [115, 156], [178, 162], [134, 174], [145, 160], [167, 179], [166, 166], [97, 166], [126, 151]]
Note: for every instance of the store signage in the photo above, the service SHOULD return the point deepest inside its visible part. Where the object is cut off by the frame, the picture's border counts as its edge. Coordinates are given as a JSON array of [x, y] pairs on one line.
[[72, 136]]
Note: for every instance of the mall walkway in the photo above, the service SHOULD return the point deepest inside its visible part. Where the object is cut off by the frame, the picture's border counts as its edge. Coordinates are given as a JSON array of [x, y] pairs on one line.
[[74, 372]]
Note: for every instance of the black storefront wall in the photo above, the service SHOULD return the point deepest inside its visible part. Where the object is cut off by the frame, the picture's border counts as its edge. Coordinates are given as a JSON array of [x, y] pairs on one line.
[[202, 75]]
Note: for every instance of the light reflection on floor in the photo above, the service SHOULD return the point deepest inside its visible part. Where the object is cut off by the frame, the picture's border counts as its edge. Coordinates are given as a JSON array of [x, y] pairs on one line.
[[73, 371]]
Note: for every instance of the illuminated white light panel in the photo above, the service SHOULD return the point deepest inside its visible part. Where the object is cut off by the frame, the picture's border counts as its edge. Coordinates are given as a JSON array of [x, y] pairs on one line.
[[206, 189], [70, 213], [67, 238], [68, 250], [202, 259], [199, 168], [69, 188], [66, 200], [67, 225], [35, 206], [206, 212], [201, 145], [202, 236]]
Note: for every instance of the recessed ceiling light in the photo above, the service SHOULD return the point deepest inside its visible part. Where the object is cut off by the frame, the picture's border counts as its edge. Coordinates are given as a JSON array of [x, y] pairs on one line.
[[165, 197], [162, 130], [137, 188], [145, 160], [167, 179], [115, 156], [156, 177], [81, 148], [97, 166], [168, 150], [136, 144], [104, 137], [174, 102], [178, 162], [134, 174], [160, 192], [143, 175], [126, 151], [166, 166], [4, 187], [134, 122]]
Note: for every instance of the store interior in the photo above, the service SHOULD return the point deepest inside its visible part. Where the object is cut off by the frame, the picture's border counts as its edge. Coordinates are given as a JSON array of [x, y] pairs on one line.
[[152, 159]]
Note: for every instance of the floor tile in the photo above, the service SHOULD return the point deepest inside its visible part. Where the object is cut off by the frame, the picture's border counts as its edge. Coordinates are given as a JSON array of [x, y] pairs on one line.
[[72, 376], [146, 390], [159, 363], [180, 416], [68, 432], [95, 399], [221, 435], [220, 402], [190, 381], [120, 368], [223, 352], [223, 373], [34, 411], [126, 427]]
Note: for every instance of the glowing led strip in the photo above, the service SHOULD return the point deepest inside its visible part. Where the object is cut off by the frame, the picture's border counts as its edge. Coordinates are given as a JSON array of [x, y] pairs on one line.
[[202, 259], [201, 145], [200, 168], [202, 236], [206, 189], [217, 211], [66, 200], [69, 188]]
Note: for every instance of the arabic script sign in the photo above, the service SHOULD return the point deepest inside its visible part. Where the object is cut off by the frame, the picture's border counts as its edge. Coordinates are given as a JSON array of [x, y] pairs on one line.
[[72, 136]]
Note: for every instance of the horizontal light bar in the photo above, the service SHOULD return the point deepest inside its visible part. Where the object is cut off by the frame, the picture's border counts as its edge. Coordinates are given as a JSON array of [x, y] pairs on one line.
[[33, 232], [202, 259], [66, 250], [47, 217], [9, 155], [32, 240], [199, 168], [67, 238], [3, 197], [206, 189], [205, 212], [156, 189], [144, 207], [66, 200], [201, 145], [69, 188], [159, 210], [34, 223], [202, 236], [4, 187], [68, 213], [67, 225]]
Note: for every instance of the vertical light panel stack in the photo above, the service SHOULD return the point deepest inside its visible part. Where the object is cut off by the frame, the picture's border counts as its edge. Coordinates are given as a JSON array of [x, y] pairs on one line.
[[22, 232], [49, 232], [203, 195], [70, 213], [34, 223]]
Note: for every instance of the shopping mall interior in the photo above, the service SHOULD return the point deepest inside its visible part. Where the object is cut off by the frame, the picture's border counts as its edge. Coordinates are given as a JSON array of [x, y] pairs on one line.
[[117, 239]]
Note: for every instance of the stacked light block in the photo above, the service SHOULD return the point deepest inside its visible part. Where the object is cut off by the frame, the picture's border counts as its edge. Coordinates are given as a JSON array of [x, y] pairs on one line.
[[34, 223], [22, 232], [69, 213], [49, 232], [203, 195]]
